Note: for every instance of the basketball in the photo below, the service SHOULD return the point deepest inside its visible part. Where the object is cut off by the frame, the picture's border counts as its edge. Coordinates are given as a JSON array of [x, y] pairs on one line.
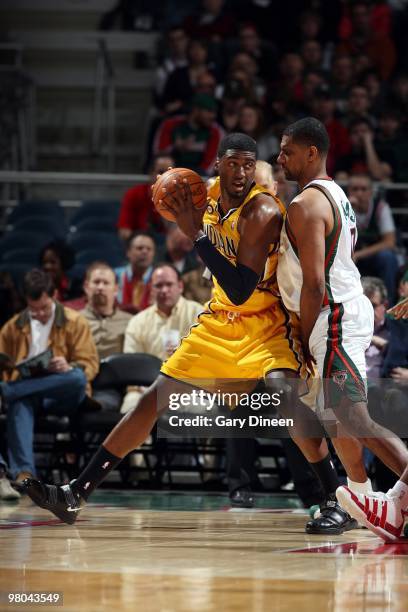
[[197, 186]]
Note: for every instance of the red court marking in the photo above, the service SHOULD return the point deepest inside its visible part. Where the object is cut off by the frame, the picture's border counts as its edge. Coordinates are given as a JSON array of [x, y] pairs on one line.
[[363, 548], [28, 523]]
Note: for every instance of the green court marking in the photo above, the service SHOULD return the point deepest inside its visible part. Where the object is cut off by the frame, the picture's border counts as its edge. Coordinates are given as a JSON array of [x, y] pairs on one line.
[[194, 502]]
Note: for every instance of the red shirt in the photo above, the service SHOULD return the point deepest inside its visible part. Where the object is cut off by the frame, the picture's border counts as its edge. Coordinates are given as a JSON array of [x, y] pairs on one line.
[[137, 211]]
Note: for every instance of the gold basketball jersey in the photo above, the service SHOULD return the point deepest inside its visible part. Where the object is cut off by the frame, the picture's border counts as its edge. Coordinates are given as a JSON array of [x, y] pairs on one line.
[[223, 233]]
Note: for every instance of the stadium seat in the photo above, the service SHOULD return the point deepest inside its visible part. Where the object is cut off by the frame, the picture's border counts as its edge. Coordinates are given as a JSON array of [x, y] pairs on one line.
[[21, 256], [53, 226], [16, 271], [104, 224], [82, 241], [113, 257], [30, 208], [23, 239], [96, 208]]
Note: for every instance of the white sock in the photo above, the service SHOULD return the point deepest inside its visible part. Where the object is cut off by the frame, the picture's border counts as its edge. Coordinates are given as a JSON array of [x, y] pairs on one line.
[[400, 490], [360, 487]]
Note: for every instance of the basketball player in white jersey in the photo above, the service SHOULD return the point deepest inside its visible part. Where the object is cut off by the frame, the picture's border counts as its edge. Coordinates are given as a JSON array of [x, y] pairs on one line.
[[319, 281]]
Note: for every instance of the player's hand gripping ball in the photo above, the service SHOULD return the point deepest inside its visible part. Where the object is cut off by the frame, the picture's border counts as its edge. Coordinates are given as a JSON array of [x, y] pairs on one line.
[[166, 180]]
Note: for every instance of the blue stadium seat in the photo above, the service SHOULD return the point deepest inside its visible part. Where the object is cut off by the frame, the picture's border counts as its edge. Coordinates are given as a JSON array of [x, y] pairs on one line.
[[25, 255], [82, 241], [17, 240], [102, 209], [104, 224], [16, 270], [30, 208], [111, 256], [54, 227]]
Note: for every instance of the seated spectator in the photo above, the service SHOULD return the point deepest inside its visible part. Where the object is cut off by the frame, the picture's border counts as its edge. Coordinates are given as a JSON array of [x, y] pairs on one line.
[[358, 105], [175, 56], [375, 253], [244, 68], [192, 140], [179, 251], [180, 87], [391, 143], [363, 157], [342, 76], [213, 22], [376, 292], [232, 100], [375, 89], [107, 322], [137, 212], [324, 109], [378, 46], [263, 52], [159, 329], [251, 122], [313, 81], [264, 176], [7, 493], [312, 55], [56, 258], [290, 80], [134, 279], [45, 323]]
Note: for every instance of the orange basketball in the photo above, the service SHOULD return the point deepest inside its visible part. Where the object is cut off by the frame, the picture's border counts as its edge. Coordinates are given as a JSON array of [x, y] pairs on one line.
[[197, 186]]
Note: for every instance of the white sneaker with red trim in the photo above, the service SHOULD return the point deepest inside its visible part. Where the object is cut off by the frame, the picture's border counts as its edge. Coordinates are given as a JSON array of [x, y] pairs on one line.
[[382, 513]]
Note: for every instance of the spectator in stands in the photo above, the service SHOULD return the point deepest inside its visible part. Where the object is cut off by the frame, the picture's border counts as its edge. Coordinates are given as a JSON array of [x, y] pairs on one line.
[[56, 258], [213, 22], [179, 251], [7, 493], [363, 40], [251, 122], [376, 292], [137, 212], [181, 85], [159, 329], [175, 57], [264, 176], [233, 99], [375, 89], [134, 279], [341, 80], [363, 157], [313, 81], [45, 323], [291, 77], [262, 51], [398, 97], [375, 253], [391, 144], [312, 55], [192, 140], [244, 68], [358, 105], [107, 322], [324, 109]]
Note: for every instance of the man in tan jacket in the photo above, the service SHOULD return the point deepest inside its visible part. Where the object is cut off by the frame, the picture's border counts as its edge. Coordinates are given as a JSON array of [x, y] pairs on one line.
[[44, 324]]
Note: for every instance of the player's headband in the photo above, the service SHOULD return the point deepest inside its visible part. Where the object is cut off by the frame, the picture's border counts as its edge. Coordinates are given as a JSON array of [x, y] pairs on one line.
[[234, 152]]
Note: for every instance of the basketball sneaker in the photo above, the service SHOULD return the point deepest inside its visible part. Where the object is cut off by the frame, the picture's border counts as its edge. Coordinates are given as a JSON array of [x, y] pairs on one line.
[[60, 500], [332, 520], [381, 513]]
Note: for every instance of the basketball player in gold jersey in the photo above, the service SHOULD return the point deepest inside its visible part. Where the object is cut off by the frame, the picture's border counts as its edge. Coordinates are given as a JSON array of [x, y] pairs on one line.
[[244, 333]]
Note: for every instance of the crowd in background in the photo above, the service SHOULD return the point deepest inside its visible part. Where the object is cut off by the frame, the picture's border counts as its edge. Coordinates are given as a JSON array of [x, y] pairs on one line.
[[253, 67]]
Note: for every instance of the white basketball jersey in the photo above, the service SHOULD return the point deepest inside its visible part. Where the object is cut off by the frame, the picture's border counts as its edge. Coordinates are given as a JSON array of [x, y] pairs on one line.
[[341, 274]]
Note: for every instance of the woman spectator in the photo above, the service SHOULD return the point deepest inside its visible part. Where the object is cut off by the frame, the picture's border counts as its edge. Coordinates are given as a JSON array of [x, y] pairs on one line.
[[251, 122], [57, 258]]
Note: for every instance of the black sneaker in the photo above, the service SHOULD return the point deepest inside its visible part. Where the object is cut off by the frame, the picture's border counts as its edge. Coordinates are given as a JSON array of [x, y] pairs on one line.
[[242, 498], [333, 520], [60, 500]]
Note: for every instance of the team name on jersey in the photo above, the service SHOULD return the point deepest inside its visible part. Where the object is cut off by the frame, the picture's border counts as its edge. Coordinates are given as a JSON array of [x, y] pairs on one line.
[[223, 243]]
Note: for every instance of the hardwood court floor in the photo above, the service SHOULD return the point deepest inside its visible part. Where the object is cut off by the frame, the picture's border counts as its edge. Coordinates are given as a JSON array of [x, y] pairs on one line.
[[168, 552]]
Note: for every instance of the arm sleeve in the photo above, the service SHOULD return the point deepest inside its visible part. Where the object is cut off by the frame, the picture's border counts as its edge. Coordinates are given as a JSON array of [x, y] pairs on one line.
[[238, 281]]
